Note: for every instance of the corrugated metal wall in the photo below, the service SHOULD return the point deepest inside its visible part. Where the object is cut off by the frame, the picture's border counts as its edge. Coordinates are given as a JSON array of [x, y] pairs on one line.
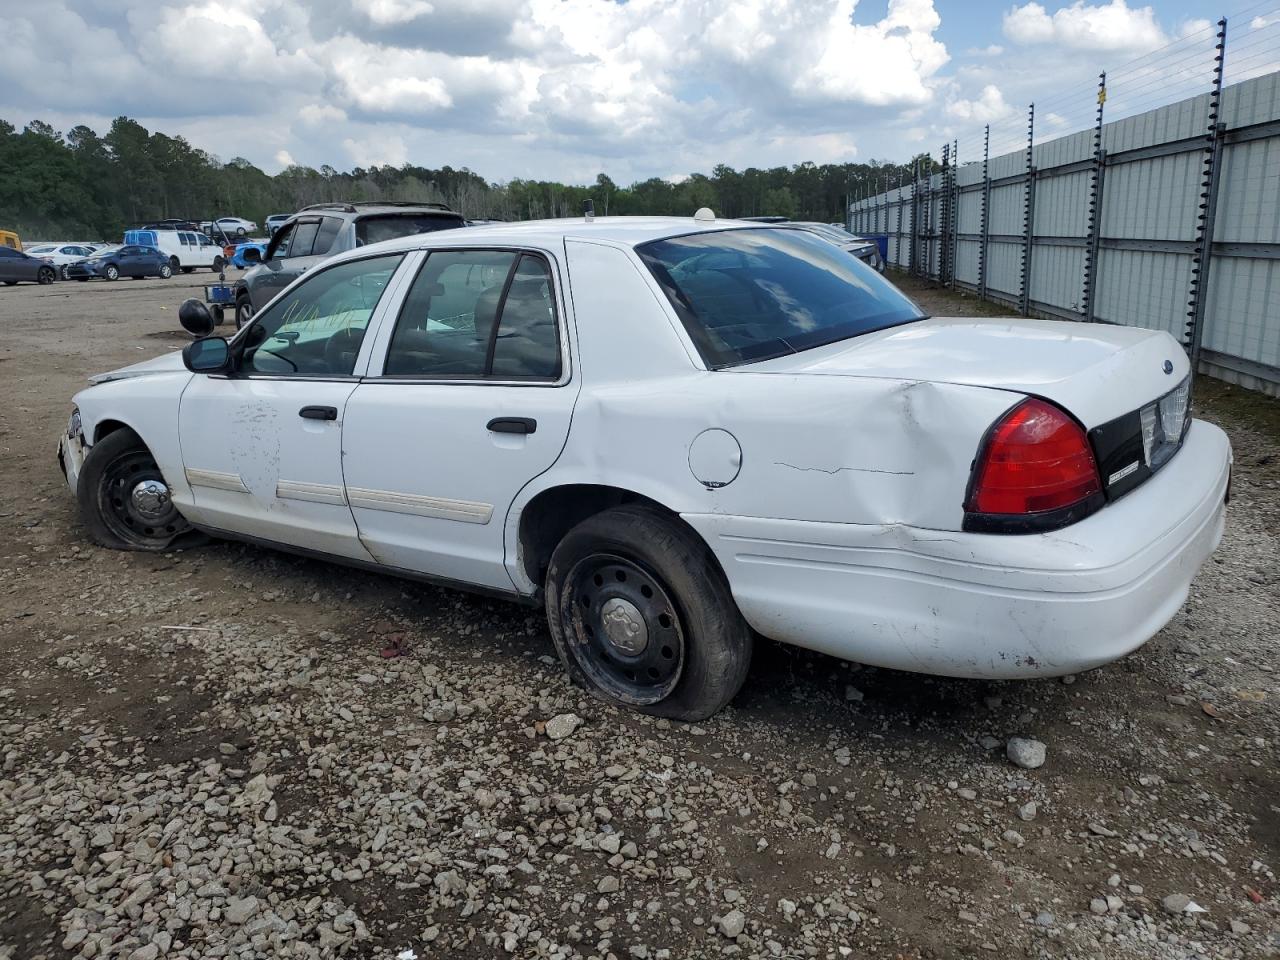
[[1147, 225]]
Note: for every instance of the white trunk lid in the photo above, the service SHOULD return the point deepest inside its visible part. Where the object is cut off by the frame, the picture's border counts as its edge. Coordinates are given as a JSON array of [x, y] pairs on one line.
[[1094, 371]]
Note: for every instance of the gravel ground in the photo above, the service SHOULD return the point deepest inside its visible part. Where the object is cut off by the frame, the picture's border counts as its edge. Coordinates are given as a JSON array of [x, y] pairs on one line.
[[204, 754]]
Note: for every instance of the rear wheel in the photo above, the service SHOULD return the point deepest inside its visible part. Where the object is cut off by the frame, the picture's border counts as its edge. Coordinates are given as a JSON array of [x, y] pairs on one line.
[[10, 283], [46, 275], [174, 262], [218, 264], [641, 615], [124, 498], [112, 272], [188, 269], [218, 315]]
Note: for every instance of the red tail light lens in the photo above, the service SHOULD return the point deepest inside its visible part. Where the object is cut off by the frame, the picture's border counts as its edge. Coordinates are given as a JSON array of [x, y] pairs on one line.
[[1036, 459]]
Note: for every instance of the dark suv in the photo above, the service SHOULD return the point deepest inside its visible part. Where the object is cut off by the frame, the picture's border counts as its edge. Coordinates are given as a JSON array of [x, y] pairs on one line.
[[317, 232]]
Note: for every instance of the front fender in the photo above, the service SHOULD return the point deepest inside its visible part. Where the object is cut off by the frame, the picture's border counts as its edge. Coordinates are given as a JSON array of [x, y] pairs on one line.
[[147, 405]]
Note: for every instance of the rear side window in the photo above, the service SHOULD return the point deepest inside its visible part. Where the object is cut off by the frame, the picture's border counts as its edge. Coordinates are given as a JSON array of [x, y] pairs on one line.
[[750, 295], [393, 226], [477, 314], [6, 252]]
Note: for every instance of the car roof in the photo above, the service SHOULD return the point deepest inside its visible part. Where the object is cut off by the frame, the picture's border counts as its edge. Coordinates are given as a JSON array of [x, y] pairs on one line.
[[618, 231]]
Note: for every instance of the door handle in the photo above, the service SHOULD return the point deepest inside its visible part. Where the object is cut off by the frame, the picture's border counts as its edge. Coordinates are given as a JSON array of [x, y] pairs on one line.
[[513, 425], [318, 413]]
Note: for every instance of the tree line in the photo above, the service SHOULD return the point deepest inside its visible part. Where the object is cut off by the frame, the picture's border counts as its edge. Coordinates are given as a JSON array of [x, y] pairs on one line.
[[80, 185]]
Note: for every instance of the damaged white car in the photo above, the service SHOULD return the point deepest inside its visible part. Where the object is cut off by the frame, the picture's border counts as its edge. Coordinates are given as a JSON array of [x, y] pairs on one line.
[[676, 435]]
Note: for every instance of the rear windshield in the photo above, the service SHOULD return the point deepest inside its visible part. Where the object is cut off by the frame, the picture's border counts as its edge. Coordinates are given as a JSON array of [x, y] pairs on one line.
[[748, 295], [393, 226]]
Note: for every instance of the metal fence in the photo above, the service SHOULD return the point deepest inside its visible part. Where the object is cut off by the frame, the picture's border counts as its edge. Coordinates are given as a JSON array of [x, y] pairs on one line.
[[1112, 223]]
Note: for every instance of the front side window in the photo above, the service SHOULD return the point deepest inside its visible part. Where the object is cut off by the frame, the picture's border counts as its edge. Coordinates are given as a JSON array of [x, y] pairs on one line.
[[476, 314], [278, 248], [750, 295], [316, 329]]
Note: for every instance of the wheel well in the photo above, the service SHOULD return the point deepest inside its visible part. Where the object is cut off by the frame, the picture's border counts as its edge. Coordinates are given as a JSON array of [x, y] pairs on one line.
[[552, 513], [105, 427]]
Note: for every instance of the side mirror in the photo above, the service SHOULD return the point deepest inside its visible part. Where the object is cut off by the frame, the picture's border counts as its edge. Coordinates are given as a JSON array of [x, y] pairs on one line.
[[207, 356], [195, 318], [251, 255]]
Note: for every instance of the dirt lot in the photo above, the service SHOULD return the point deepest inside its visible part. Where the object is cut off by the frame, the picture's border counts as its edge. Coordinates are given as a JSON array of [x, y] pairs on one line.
[[203, 753]]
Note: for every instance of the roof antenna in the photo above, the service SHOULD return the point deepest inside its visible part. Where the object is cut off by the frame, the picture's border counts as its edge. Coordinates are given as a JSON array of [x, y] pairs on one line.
[[589, 210]]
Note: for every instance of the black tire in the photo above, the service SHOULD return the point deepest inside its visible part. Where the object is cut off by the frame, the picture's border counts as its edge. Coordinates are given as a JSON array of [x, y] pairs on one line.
[[188, 269], [165, 271], [83, 279], [11, 283], [174, 262], [697, 647], [46, 275], [244, 311], [65, 271], [218, 264], [115, 467], [112, 272]]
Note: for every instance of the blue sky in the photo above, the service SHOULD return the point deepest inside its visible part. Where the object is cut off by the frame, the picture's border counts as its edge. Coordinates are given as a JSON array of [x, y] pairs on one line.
[[564, 89]]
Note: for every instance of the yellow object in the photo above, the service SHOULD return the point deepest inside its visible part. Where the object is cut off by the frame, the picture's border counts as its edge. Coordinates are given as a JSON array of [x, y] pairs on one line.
[[10, 239]]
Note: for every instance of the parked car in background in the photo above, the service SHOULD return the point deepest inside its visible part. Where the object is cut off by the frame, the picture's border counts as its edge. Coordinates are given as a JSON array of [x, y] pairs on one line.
[[186, 249], [172, 224], [61, 255], [230, 226], [276, 221], [326, 229], [727, 429], [130, 260], [865, 250], [16, 267], [10, 239]]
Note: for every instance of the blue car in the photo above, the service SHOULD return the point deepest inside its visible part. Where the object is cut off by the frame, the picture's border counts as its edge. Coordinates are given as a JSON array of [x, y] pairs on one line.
[[127, 261], [239, 261]]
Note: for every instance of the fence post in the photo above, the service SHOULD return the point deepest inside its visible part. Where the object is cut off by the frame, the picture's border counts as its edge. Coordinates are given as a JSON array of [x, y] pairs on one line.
[[1028, 213], [944, 214], [982, 226], [1095, 208], [902, 205], [928, 220], [1202, 258], [954, 249], [915, 203]]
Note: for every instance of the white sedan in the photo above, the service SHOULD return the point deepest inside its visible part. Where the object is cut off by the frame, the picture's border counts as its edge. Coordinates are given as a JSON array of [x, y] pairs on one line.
[[229, 227], [676, 435], [62, 255]]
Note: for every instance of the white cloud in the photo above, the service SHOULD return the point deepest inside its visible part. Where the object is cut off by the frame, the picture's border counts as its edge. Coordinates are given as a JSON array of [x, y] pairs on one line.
[[317, 114], [988, 107], [1082, 26], [284, 158], [377, 150]]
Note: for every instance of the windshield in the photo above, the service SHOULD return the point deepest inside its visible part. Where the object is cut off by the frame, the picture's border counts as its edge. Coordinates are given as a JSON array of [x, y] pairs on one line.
[[749, 295], [396, 225]]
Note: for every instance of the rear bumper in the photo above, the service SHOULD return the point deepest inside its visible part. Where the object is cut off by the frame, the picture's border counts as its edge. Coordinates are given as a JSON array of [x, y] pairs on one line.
[[984, 605]]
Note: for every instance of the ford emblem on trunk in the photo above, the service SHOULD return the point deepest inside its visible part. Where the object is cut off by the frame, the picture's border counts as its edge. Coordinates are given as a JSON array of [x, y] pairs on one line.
[[1168, 366]]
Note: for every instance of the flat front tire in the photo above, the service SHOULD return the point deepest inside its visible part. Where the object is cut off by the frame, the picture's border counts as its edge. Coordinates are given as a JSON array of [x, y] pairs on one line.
[[642, 616], [124, 498]]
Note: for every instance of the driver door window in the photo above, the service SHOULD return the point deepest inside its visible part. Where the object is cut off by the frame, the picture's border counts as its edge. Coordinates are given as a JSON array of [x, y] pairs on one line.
[[316, 330]]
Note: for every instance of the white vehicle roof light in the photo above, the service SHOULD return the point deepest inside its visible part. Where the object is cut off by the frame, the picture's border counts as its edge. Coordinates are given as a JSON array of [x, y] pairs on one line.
[[704, 215]]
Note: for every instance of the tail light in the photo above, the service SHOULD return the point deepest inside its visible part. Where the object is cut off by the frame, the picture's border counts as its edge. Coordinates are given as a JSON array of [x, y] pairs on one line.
[[1035, 472]]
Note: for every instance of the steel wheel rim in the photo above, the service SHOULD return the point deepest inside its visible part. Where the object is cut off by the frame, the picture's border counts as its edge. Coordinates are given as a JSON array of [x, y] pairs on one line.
[[625, 631], [132, 506]]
